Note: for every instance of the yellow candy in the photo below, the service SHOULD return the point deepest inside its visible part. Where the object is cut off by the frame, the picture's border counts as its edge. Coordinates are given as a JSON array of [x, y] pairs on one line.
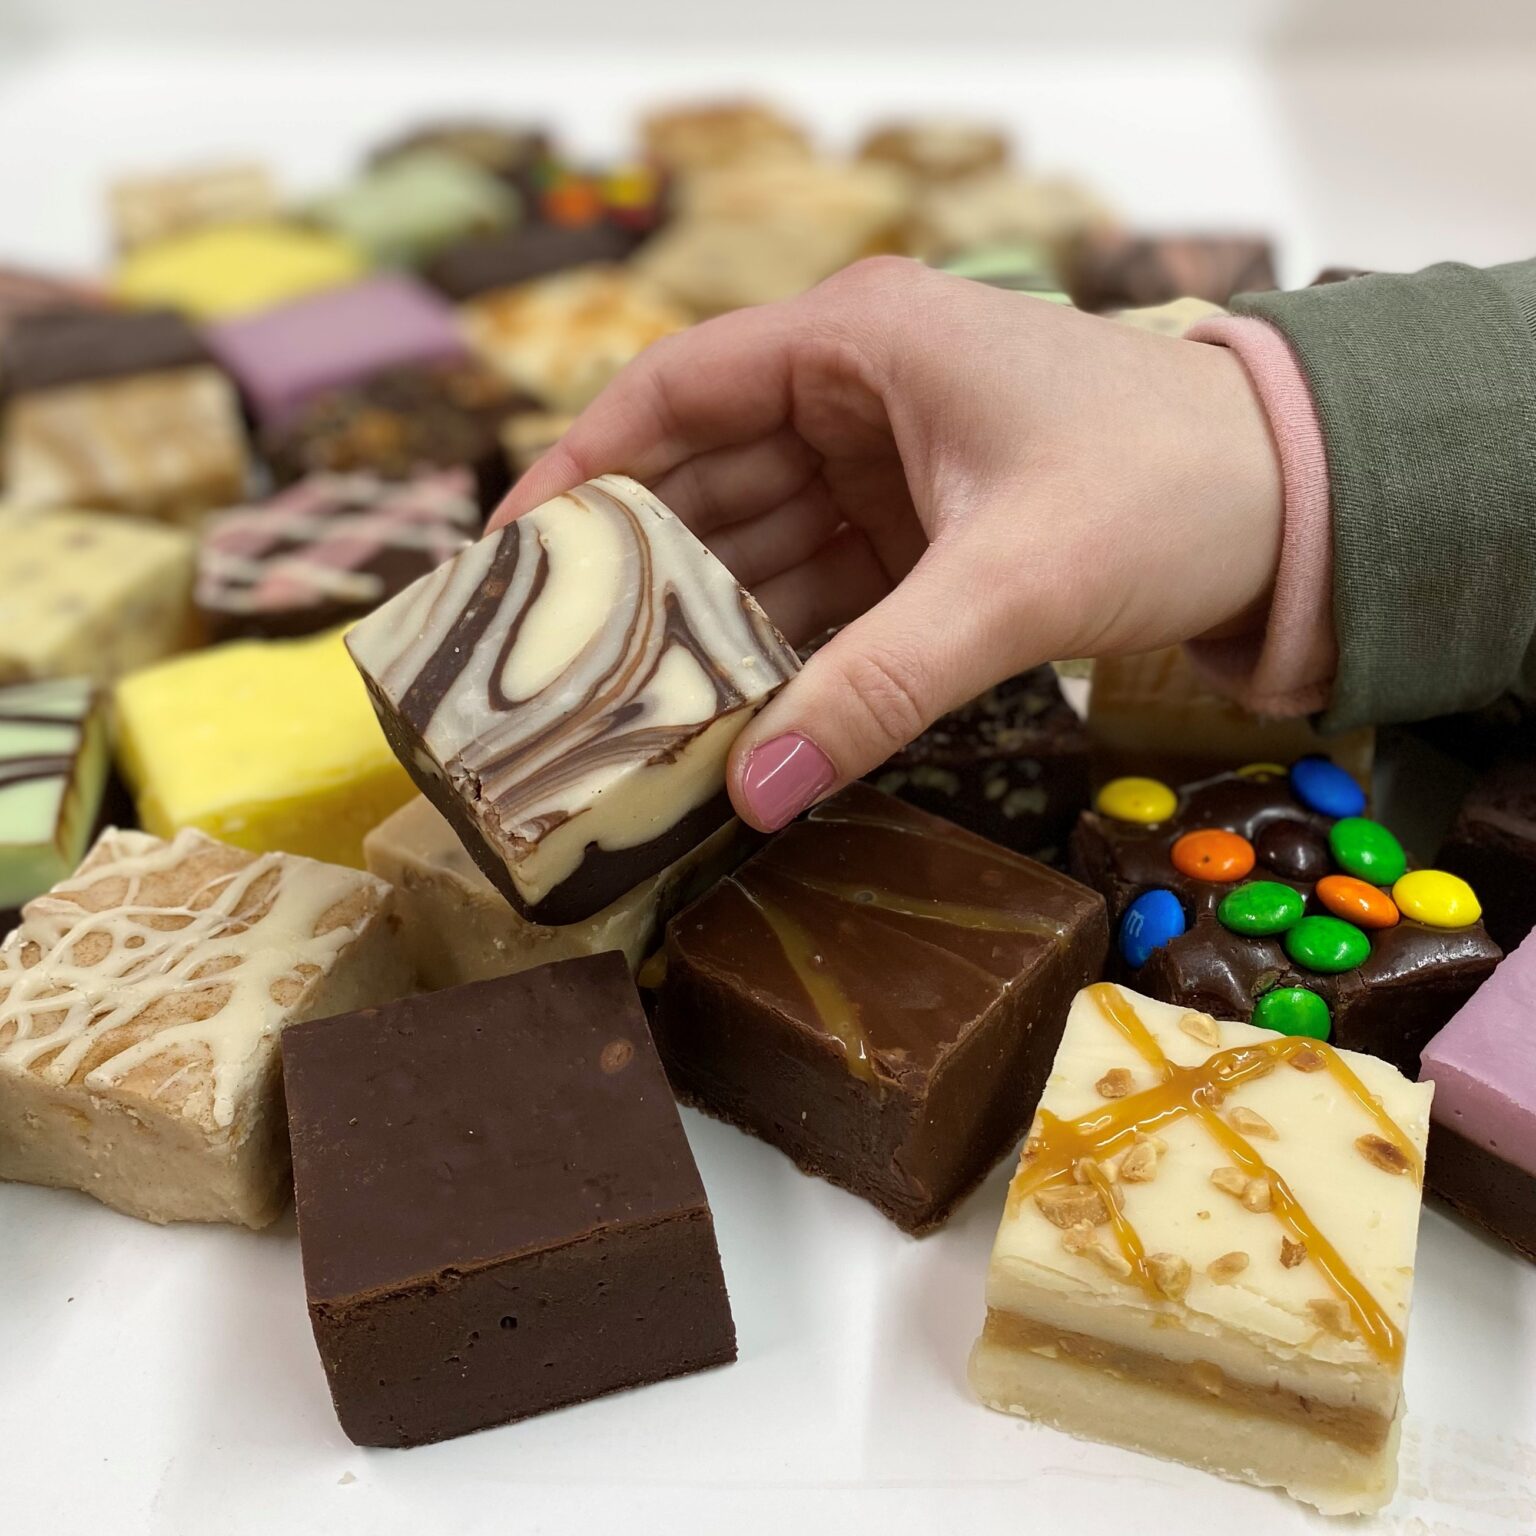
[[270, 745], [1144, 800], [1434, 897], [1260, 771]]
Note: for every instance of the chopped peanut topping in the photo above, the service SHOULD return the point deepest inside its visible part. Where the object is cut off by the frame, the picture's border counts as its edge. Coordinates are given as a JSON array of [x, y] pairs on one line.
[[1139, 1165], [1381, 1153], [1202, 1027], [1249, 1122], [1115, 1083], [1291, 1254], [1170, 1274], [1308, 1060], [1064, 1205], [1332, 1316], [1227, 1268], [1257, 1195], [1233, 1180]]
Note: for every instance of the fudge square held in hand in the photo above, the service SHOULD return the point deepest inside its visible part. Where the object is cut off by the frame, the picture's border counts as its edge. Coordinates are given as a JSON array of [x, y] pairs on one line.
[[498, 1210], [1207, 1252], [566, 691]]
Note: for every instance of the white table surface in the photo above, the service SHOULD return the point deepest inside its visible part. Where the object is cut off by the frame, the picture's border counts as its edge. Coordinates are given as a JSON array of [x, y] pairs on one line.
[[164, 1380]]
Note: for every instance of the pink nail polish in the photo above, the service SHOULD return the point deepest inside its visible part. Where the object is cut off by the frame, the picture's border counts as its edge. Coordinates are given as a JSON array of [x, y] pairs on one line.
[[783, 777]]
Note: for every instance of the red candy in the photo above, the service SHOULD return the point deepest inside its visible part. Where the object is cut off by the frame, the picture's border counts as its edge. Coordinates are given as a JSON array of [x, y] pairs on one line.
[[1211, 854], [1357, 901]]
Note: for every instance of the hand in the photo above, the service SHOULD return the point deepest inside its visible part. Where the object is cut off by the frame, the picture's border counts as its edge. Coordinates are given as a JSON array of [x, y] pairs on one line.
[[971, 481]]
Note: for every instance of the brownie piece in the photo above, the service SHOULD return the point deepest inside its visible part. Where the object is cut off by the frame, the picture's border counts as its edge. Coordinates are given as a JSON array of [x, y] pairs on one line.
[[879, 994], [1117, 270], [498, 1210], [78, 346], [1248, 896], [1493, 846]]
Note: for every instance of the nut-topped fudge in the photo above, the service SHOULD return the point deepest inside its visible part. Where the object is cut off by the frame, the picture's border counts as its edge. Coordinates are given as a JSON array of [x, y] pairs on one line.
[[140, 1005], [878, 993], [1208, 1251], [566, 691]]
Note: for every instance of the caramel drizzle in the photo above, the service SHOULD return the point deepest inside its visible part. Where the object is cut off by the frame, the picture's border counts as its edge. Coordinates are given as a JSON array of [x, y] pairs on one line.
[[1059, 1146], [952, 913]]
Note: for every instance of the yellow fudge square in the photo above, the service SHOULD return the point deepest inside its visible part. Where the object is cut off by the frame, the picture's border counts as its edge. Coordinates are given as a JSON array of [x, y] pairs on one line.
[[270, 745], [236, 269]]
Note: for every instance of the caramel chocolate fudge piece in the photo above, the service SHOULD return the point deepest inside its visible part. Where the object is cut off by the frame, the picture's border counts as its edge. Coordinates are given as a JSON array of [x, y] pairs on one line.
[[1267, 894], [878, 994], [1117, 270], [328, 550], [53, 772], [1208, 1251], [86, 595], [457, 927], [1482, 1132], [140, 1005], [566, 691], [149, 208], [498, 1210], [1493, 846], [509, 257], [83, 346]]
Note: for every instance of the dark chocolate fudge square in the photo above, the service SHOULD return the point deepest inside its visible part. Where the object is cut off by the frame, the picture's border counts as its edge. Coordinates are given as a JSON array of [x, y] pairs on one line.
[[78, 346], [1493, 846], [879, 994], [498, 1211]]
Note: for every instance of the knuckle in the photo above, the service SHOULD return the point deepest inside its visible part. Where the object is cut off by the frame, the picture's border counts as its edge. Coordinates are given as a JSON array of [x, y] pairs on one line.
[[888, 695], [875, 274]]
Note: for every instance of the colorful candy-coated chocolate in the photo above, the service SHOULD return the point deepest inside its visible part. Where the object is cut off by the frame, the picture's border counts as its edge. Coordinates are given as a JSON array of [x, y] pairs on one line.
[[1261, 907], [1150, 921], [1211, 854], [1357, 901], [1439, 899], [1327, 944], [1366, 850], [1293, 1011], [1324, 787], [1147, 801], [1293, 849]]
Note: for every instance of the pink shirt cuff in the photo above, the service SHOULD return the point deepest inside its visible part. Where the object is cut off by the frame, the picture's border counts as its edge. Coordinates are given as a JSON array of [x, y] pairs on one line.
[[1288, 668]]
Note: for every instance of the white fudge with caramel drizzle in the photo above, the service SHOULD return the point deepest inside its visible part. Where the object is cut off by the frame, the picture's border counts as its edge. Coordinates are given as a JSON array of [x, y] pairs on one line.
[[140, 1006], [1208, 1251], [566, 692]]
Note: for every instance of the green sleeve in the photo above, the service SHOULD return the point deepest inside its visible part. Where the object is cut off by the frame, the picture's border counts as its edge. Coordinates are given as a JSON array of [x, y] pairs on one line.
[[1425, 388]]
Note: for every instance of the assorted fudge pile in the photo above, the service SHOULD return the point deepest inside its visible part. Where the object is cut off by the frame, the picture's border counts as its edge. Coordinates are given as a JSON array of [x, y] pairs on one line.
[[348, 852]]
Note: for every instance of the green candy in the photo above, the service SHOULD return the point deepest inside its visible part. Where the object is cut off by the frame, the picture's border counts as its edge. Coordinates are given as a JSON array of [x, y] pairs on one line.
[[1293, 1011], [1327, 944], [1366, 850], [1261, 907]]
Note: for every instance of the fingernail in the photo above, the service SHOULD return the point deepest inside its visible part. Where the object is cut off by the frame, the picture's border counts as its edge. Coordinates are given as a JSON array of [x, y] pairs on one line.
[[783, 777]]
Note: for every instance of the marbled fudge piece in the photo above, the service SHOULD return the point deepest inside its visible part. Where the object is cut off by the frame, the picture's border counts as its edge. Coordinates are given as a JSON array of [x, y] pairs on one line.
[[148, 208], [86, 595], [266, 744], [1208, 1251], [566, 692], [140, 1006]]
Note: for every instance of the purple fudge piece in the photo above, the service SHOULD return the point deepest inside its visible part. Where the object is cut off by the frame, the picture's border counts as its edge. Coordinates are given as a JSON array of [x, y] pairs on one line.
[[284, 357]]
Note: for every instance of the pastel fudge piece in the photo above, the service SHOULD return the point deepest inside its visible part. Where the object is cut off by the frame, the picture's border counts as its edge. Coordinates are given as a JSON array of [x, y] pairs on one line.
[[222, 270], [507, 258], [81, 345], [144, 209], [53, 772], [411, 205], [140, 1006], [1207, 1252], [1226, 897], [562, 338], [878, 994], [457, 927], [1492, 844], [1482, 1134], [266, 744], [87, 595], [328, 549], [1115, 269], [498, 1211], [284, 357], [1017, 267], [566, 691]]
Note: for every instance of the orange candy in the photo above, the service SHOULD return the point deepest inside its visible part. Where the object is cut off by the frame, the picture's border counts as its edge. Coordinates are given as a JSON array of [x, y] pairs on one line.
[[1212, 854], [1357, 901]]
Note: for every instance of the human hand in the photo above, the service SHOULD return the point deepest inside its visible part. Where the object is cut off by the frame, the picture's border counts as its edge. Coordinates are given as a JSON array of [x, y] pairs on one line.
[[969, 481]]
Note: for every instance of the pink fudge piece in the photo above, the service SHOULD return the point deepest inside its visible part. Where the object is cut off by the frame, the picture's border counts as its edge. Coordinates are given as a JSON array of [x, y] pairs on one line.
[[1483, 1064], [284, 357]]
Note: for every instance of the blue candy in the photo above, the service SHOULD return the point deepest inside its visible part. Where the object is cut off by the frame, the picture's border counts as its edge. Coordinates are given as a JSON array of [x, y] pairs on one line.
[[1324, 787], [1149, 922]]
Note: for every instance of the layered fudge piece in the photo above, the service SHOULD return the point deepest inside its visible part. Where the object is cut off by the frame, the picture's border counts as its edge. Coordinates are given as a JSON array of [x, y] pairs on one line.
[[1208, 1251], [140, 1006], [561, 339], [878, 993], [1114, 269], [938, 149], [148, 208], [328, 550], [1482, 1133], [1492, 845], [266, 744], [457, 927], [85, 595], [498, 1211], [511, 257], [284, 357], [53, 772], [566, 692], [1268, 895]]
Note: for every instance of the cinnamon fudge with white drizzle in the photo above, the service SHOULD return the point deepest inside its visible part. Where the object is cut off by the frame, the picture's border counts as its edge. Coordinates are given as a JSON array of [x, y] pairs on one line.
[[1208, 1250], [140, 1006], [566, 692]]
